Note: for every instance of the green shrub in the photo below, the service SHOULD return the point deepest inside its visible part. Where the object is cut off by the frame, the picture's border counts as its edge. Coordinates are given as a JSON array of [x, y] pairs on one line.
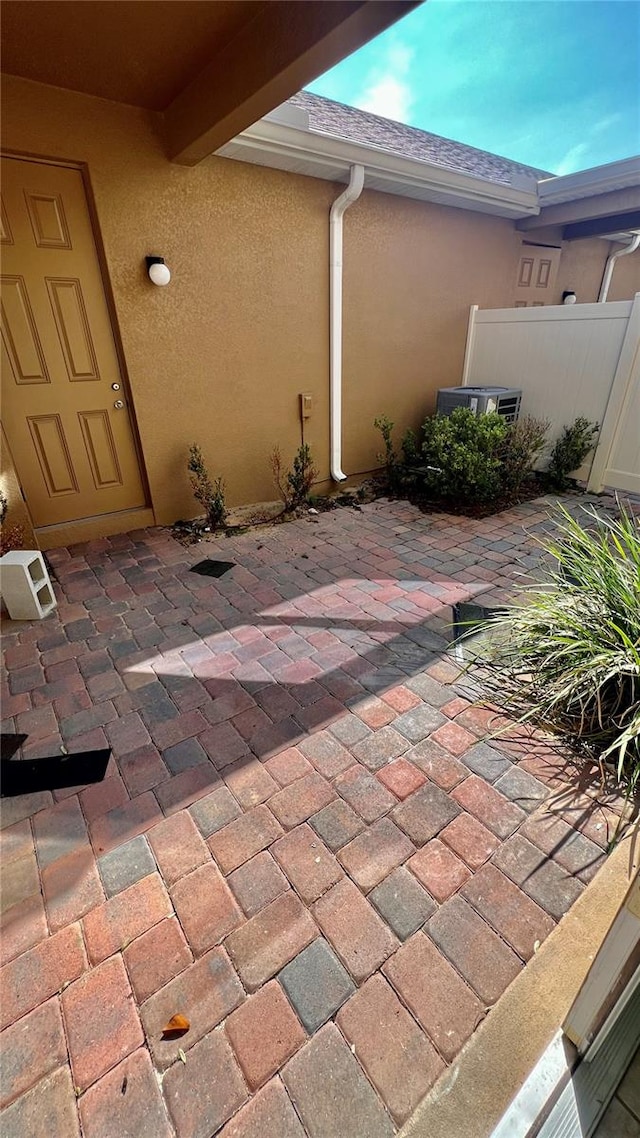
[[294, 483], [570, 451], [302, 475], [410, 449], [389, 458], [460, 456], [518, 451], [209, 494], [569, 655]]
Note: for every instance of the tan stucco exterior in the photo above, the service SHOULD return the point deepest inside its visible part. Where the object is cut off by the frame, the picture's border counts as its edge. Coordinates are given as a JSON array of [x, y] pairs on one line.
[[626, 277], [582, 266], [220, 356]]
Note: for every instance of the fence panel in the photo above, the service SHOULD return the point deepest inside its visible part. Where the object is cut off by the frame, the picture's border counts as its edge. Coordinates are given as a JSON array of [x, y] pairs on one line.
[[569, 360]]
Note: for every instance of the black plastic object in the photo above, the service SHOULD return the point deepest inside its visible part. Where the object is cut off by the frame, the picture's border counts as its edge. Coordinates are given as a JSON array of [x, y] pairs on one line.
[[27, 776], [11, 743], [211, 568]]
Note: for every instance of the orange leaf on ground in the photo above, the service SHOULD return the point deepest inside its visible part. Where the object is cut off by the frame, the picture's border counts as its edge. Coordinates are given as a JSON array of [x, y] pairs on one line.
[[178, 1025]]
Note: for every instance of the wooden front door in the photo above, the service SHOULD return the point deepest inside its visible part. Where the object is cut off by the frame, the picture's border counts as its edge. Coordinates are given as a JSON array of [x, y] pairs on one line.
[[64, 406], [537, 272]]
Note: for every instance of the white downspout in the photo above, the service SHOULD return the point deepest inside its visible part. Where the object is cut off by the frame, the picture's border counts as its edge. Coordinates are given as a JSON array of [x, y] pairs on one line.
[[338, 210], [610, 265]]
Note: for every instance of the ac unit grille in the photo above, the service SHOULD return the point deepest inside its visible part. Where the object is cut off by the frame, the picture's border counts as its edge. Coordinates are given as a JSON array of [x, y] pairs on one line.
[[505, 401]]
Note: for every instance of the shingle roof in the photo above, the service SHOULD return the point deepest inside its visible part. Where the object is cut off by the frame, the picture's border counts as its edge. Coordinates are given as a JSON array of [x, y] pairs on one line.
[[341, 121]]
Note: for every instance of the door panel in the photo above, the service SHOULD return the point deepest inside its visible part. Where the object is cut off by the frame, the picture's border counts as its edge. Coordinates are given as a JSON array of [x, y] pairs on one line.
[[74, 450], [52, 452], [20, 334], [536, 277]]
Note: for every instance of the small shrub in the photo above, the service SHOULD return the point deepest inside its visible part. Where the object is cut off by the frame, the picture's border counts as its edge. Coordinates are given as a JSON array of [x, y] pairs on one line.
[[410, 449], [294, 484], [302, 476], [277, 473], [11, 537], [209, 494], [461, 456], [569, 655], [570, 451], [389, 456], [518, 451]]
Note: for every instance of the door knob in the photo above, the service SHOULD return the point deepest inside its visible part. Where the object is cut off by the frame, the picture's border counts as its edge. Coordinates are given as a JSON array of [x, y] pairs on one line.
[[119, 403]]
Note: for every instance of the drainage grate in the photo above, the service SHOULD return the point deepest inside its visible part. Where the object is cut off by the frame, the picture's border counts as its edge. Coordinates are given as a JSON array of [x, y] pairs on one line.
[[211, 568], [469, 619]]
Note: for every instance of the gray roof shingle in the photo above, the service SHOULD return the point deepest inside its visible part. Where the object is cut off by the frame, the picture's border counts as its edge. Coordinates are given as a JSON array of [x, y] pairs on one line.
[[341, 121]]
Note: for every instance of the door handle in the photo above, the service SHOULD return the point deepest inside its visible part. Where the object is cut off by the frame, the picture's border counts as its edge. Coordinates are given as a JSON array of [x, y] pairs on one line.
[[118, 404]]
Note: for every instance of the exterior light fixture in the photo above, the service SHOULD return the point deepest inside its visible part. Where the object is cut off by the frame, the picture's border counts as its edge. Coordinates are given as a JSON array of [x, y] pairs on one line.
[[569, 297], [158, 272]]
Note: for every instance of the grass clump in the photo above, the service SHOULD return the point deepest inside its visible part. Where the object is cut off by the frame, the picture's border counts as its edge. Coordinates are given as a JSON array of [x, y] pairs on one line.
[[569, 656]]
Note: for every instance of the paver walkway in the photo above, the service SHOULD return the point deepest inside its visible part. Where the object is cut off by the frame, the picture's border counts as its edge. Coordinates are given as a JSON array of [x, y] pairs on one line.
[[303, 845]]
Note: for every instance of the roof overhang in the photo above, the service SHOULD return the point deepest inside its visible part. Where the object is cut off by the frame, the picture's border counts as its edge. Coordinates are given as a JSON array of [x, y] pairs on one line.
[[590, 203], [621, 175], [207, 70], [274, 142]]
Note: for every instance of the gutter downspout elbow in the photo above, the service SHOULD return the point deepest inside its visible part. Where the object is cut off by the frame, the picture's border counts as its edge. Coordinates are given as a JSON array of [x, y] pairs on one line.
[[610, 265], [338, 210]]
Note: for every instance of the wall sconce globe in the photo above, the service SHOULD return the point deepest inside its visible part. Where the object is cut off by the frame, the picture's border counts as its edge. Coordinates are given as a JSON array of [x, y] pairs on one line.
[[159, 273]]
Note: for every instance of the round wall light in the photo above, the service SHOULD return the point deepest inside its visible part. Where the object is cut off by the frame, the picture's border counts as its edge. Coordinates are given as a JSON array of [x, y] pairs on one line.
[[159, 274]]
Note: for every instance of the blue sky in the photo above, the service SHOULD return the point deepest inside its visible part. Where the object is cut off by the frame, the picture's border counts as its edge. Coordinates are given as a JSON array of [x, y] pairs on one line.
[[551, 83]]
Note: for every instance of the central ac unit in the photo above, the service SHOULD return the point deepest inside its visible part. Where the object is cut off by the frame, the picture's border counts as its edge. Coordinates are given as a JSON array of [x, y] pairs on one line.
[[504, 400]]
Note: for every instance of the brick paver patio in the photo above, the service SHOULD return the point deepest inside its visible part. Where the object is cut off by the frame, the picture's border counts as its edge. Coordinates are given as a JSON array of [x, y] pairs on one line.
[[304, 843]]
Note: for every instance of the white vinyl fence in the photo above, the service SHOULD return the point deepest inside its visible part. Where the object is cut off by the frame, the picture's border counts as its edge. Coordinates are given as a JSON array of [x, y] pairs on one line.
[[569, 360]]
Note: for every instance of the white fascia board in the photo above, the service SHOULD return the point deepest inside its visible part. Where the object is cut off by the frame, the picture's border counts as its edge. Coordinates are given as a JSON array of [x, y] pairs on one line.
[[289, 147], [587, 183]]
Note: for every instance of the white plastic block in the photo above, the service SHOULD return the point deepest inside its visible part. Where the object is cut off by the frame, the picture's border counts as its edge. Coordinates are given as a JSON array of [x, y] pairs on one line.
[[25, 585]]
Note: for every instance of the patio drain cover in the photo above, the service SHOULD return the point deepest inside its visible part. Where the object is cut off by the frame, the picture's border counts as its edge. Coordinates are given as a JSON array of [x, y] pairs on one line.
[[27, 776], [209, 568], [469, 619]]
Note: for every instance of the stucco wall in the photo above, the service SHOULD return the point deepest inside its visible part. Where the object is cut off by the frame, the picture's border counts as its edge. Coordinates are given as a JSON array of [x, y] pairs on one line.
[[412, 270], [220, 356], [626, 277], [582, 266]]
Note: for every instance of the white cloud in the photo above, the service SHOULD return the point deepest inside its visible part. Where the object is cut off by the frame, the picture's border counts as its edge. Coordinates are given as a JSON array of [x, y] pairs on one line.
[[400, 57], [606, 122], [574, 159], [389, 97], [388, 90], [571, 161]]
